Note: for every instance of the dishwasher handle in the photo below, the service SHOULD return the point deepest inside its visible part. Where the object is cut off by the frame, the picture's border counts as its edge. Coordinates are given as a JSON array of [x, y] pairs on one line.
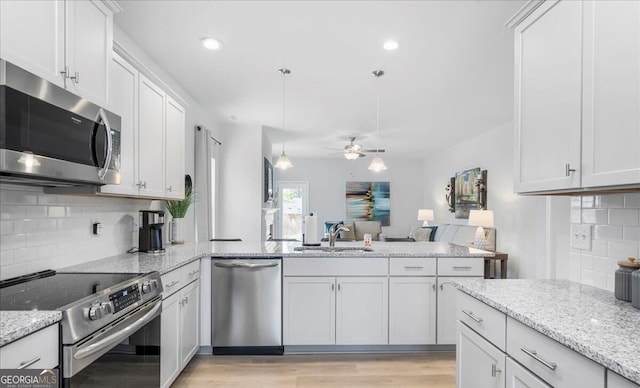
[[246, 265]]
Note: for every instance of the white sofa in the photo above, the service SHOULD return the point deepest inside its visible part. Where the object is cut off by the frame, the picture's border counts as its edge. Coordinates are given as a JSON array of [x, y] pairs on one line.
[[454, 234]]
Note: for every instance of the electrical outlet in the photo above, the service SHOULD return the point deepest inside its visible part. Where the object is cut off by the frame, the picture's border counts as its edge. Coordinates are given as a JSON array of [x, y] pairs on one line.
[[581, 237], [96, 228]]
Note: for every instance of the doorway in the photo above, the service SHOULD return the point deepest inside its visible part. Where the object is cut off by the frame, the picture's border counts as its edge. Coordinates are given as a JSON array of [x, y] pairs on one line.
[[294, 205]]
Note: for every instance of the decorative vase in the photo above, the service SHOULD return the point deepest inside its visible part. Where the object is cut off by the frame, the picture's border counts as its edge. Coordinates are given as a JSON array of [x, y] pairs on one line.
[[177, 231]]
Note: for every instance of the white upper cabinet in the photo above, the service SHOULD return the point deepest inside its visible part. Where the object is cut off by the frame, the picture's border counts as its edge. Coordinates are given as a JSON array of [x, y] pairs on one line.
[[32, 37], [88, 51], [611, 93], [175, 153], [548, 61], [577, 92], [67, 43], [151, 120]]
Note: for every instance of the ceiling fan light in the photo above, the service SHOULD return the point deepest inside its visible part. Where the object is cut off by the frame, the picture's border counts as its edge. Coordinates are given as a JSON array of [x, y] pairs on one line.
[[377, 164], [351, 155], [283, 162]]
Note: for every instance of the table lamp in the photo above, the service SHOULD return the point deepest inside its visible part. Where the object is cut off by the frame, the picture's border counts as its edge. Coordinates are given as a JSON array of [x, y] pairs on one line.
[[425, 215], [482, 219]]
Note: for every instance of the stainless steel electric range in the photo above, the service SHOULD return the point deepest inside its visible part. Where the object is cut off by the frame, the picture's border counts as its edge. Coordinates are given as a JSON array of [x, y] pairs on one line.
[[110, 328]]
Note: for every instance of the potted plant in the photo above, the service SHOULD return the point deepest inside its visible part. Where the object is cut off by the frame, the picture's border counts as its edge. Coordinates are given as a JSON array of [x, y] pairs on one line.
[[178, 210]]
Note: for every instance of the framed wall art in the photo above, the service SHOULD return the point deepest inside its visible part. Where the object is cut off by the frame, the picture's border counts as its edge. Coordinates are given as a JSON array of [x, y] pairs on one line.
[[368, 201], [469, 191]]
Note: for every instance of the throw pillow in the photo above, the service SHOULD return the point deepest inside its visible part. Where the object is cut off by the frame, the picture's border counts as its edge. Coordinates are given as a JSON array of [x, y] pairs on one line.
[[425, 233], [351, 234]]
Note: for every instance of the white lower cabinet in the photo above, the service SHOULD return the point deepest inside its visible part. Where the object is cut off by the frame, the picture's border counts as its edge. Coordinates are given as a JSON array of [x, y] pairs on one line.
[[446, 334], [335, 310], [38, 350], [479, 363], [180, 322], [309, 310], [519, 377], [614, 380], [412, 311], [362, 311]]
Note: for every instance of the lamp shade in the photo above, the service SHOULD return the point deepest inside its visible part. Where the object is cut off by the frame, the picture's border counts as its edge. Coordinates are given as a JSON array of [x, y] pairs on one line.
[[482, 218], [377, 164], [425, 215], [283, 162], [351, 155]]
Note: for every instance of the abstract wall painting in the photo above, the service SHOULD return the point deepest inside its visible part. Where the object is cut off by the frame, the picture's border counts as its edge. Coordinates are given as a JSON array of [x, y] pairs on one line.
[[368, 201]]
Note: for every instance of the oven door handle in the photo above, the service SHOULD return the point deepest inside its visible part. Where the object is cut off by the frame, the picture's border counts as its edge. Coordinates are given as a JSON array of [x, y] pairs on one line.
[[115, 338]]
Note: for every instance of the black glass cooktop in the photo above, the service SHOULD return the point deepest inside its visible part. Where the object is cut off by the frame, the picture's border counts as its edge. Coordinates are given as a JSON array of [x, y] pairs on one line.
[[48, 290]]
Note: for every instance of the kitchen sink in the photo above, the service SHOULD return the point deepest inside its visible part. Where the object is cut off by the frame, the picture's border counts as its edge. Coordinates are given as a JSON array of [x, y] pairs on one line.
[[334, 249]]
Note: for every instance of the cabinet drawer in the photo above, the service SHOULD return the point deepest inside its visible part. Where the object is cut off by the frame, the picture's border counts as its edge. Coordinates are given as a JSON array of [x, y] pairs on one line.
[[614, 380], [412, 266], [487, 321], [171, 282], [190, 272], [335, 266], [460, 266], [558, 365], [42, 344]]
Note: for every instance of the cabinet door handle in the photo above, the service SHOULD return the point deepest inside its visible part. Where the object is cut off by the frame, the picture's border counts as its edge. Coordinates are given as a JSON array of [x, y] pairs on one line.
[[441, 287], [414, 267], [65, 72], [26, 364], [495, 370], [470, 315], [568, 170], [465, 267], [173, 283], [533, 354], [333, 287], [169, 188], [193, 272], [76, 77], [338, 286]]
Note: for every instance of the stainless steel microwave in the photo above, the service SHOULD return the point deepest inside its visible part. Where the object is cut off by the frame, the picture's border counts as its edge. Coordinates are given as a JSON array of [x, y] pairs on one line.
[[51, 137]]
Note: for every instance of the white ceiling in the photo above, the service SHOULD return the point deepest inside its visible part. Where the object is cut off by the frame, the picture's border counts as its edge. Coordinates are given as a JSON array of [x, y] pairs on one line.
[[451, 78]]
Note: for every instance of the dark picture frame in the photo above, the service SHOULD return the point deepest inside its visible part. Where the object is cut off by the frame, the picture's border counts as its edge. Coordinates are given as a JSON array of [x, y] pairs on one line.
[[268, 180], [466, 192]]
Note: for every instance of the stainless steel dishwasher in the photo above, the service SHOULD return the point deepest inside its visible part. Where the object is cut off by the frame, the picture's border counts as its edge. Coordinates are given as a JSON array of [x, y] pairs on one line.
[[246, 305]]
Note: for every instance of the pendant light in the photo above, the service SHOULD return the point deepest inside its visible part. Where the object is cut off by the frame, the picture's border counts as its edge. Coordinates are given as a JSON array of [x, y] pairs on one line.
[[283, 161], [377, 164]]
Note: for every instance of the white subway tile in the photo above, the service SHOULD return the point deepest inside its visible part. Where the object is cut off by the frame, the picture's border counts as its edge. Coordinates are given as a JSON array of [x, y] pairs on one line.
[[631, 233], [595, 216], [37, 239], [608, 232], [586, 262], [623, 216], [47, 225], [13, 241], [611, 281], [6, 227], [65, 224], [575, 216], [25, 254], [36, 212], [632, 200], [588, 201], [574, 267], [576, 202], [595, 279], [47, 199], [13, 270], [25, 226], [7, 257], [46, 251], [599, 248], [11, 212], [620, 250], [56, 211], [609, 201], [605, 265]]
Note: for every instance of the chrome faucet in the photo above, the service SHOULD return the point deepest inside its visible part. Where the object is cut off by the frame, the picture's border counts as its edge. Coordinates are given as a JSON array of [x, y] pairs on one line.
[[334, 231]]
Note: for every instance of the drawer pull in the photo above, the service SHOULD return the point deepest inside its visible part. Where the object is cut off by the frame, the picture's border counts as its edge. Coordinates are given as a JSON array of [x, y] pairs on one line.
[[415, 267], [194, 272], [533, 354], [470, 315], [26, 364], [495, 370], [173, 283], [465, 267]]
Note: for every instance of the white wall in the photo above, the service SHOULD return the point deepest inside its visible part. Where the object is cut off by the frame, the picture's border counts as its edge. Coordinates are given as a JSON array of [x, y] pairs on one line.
[[527, 227], [614, 220], [327, 181], [240, 182]]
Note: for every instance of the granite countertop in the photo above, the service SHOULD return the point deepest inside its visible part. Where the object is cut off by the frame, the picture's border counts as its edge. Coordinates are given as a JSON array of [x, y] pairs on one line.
[[17, 324], [179, 255], [586, 319]]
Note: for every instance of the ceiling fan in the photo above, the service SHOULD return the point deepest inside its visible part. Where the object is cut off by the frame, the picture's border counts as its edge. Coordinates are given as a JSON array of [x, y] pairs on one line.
[[354, 150]]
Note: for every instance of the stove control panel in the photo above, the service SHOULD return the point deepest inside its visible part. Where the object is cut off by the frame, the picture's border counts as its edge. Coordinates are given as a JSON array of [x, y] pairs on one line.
[[125, 297]]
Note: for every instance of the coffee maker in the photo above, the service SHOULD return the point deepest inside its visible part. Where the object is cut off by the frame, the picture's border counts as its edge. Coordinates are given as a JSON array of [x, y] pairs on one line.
[[150, 234]]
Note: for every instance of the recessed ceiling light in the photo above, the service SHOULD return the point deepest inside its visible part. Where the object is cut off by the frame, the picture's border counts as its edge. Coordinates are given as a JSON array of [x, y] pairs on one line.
[[211, 44], [390, 45]]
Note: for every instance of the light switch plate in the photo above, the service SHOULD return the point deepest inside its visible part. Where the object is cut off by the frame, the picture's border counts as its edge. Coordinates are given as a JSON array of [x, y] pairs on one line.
[[581, 237]]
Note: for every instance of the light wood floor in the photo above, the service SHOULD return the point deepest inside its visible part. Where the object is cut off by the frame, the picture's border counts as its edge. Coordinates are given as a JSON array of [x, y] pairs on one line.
[[432, 370]]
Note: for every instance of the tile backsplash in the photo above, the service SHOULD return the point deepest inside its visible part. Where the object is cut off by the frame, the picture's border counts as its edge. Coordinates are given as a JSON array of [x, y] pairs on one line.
[[40, 231], [615, 235]]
